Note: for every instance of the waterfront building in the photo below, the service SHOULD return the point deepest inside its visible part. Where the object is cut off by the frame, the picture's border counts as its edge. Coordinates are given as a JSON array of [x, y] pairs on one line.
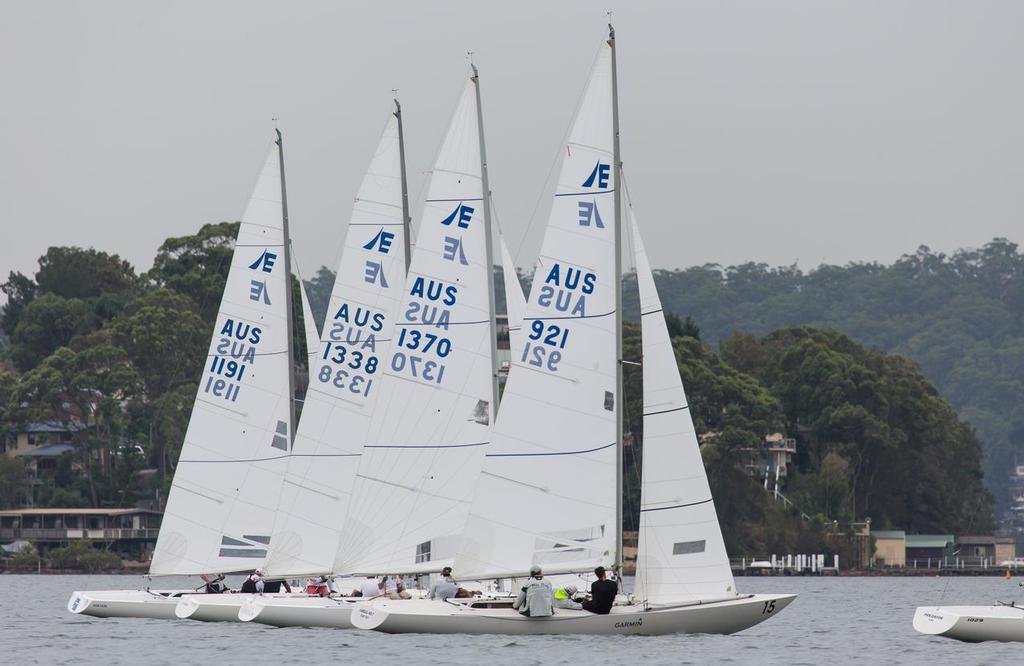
[[131, 533], [890, 548]]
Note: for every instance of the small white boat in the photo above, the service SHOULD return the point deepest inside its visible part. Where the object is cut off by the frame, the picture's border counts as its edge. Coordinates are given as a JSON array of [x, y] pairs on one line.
[[973, 624], [153, 604], [496, 616], [295, 611]]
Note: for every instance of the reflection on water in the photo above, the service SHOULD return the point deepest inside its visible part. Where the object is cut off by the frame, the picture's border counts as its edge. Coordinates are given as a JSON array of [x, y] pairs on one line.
[[834, 621]]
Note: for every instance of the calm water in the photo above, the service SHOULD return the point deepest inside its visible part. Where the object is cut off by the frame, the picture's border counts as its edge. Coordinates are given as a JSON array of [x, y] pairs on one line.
[[834, 621]]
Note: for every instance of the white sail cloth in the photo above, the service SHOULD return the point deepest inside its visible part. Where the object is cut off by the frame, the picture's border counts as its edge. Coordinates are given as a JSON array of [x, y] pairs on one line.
[[546, 494], [220, 510], [680, 552], [346, 365], [433, 413]]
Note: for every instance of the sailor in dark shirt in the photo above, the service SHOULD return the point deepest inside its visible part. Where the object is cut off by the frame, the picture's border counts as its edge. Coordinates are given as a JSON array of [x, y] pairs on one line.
[[602, 594]]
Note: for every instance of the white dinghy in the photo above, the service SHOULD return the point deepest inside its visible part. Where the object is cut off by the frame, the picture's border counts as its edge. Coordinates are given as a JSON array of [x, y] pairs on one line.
[[224, 495], [561, 418], [973, 624]]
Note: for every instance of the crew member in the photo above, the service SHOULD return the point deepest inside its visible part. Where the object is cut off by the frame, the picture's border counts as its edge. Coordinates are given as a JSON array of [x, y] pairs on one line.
[[445, 587], [564, 598], [602, 594], [536, 598]]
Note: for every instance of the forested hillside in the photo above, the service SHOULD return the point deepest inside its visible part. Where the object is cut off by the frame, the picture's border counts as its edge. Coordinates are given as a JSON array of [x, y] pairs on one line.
[[89, 337], [959, 316]]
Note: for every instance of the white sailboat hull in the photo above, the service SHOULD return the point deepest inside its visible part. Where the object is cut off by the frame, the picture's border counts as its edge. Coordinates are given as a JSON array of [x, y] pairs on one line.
[[291, 611], [212, 607], [438, 617], [153, 604], [972, 624]]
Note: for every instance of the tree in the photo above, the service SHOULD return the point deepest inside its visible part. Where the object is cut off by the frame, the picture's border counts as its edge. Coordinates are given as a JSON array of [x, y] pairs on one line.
[[74, 272], [94, 380], [48, 322], [15, 482], [319, 289], [197, 266], [19, 290]]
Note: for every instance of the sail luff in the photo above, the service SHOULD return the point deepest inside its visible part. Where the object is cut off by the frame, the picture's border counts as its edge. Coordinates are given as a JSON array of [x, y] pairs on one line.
[[288, 291], [619, 396], [406, 217], [489, 240]]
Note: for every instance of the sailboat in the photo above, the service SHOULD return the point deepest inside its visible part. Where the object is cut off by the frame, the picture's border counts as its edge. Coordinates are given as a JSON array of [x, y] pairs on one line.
[[436, 394], [550, 491], [345, 373], [219, 513], [972, 624]]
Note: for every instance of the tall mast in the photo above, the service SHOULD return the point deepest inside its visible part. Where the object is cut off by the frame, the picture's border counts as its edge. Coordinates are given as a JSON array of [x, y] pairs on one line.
[[406, 218], [619, 396], [287, 294], [490, 247]]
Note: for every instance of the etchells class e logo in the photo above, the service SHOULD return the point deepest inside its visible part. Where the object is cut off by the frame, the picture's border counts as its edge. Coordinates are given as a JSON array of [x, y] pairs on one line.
[[461, 216], [258, 288], [452, 248], [599, 176]]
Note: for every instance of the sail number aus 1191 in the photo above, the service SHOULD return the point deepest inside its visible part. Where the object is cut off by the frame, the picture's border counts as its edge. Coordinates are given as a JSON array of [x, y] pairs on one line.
[[542, 349]]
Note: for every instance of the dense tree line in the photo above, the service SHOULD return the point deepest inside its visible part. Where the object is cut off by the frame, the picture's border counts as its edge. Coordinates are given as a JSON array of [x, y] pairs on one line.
[[90, 335], [89, 338], [960, 317]]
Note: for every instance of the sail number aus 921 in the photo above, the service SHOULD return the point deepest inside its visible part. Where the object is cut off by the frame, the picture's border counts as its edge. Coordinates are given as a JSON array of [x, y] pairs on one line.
[[769, 607], [544, 351]]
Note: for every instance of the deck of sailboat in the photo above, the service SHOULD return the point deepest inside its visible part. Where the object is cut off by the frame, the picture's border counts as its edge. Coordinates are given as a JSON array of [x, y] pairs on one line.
[[723, 616]]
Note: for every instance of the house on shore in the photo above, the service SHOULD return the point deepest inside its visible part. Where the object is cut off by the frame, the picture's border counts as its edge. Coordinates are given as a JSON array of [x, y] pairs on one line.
[[131, 533]]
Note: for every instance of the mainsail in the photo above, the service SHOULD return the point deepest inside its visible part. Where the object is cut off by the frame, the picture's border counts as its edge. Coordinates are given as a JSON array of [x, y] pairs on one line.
[[347, 364], [546, 494], [221, 506], [680, 553], [435, 404]]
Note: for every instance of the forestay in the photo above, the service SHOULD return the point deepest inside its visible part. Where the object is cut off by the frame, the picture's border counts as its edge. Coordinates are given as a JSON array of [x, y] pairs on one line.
[[432, 418], [346, 367], [546, 494], [220, 510], [680, 555]]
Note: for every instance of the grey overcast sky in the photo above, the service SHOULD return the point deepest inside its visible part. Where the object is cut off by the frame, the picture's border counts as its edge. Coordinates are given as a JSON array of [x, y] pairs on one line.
[[793, 130]]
